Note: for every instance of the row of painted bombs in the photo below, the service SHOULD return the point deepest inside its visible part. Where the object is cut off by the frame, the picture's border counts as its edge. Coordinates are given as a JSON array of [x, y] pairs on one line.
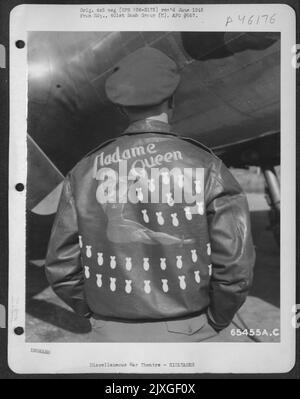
[[147, 283], [166, 178], [146, 265], [175, 221], [169, 200]]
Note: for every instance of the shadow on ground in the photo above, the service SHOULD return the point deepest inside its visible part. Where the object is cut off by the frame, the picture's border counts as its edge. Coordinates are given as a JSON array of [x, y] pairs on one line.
[[57, 316]]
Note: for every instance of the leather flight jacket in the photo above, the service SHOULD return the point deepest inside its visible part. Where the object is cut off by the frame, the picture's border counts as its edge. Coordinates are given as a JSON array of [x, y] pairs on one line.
[[123, 247]]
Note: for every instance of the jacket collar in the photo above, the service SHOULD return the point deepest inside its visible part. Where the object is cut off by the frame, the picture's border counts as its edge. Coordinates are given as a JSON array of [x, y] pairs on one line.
[[149, 126]]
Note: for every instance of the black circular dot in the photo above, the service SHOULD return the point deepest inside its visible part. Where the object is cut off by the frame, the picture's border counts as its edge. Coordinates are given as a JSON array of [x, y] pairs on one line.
[[20, 44], [19, 330], [19, 186], [58, 86]]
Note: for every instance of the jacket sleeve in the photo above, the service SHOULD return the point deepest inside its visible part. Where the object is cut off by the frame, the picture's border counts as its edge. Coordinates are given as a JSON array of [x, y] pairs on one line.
[[232, 250], [63, 262]]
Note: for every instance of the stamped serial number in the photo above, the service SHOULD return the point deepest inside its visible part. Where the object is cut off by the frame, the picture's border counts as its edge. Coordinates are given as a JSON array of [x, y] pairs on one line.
[[258, 332]]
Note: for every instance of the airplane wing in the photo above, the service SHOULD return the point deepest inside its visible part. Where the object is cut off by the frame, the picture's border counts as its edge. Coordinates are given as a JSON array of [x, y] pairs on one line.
[[228, 98], [43, 179]]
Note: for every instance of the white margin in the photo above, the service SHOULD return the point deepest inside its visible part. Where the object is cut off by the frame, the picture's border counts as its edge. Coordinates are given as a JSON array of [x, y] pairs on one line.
[[208, 357]]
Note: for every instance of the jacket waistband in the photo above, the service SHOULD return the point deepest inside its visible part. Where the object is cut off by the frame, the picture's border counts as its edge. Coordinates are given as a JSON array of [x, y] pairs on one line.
[[137, 321]]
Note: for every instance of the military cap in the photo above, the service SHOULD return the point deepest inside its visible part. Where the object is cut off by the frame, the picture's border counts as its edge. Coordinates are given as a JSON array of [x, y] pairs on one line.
[[145, 77]]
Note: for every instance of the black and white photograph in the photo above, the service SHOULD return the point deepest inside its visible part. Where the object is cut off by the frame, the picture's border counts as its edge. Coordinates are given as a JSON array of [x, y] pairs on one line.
[[155, 159], [163, 90]]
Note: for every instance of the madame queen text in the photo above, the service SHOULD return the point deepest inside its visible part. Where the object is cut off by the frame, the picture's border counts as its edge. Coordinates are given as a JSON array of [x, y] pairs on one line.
[[148, 153]]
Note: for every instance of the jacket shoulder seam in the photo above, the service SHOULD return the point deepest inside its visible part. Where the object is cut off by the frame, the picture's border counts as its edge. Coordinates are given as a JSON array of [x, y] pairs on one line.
[[198, 144], [216, 174], [98, 147]]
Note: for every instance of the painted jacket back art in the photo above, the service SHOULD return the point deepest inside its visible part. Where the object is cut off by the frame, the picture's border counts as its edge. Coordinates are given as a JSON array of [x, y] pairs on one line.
[[155, 228]]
